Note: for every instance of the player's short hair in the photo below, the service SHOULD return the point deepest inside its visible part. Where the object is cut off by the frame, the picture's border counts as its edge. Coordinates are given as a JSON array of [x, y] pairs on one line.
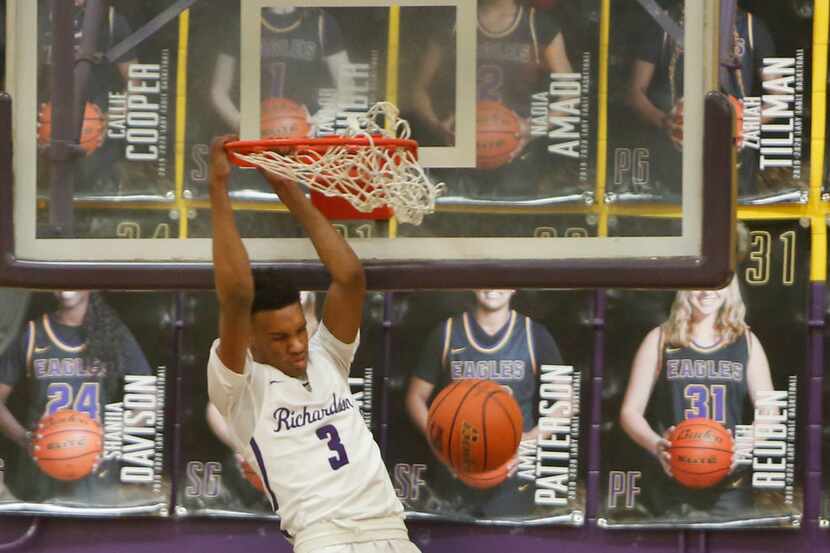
[[271, 293]]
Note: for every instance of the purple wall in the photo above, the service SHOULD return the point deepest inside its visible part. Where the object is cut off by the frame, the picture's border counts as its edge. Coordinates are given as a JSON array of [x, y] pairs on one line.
[[205, 536]]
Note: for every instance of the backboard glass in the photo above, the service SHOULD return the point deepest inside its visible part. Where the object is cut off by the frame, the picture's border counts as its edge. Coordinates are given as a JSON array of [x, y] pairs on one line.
[[508, 99]]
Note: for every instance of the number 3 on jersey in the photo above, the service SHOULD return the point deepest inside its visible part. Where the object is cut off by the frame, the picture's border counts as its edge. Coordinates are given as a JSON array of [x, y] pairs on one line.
[[329, 432]]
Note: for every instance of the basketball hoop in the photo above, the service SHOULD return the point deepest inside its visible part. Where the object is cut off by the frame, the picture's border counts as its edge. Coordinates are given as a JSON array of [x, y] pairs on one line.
[[373, 168]]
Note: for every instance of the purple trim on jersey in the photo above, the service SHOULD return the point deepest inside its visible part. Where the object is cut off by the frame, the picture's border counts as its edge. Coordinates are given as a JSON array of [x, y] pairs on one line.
[[264, 473]]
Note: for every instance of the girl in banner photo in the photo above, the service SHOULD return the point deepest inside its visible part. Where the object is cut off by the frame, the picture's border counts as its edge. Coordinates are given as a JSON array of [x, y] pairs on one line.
[[518, 49], [75, 357], [656, 88], [706, 328]]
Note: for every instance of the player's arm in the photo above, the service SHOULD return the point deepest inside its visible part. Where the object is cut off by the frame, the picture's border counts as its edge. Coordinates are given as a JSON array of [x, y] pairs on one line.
[[334, 51], [642, 75], [546, 352], [218, 426], [220, 90], [421, 99], [124, 69], [12, 364], [641, 78], [417, 396], [121, 31], [343, 309], [424, 377], [556, 56], [764, 49], [337, 65], [640, 385], [336, 58], [232, 268], [758, 377], [9, 425], [136, 360]]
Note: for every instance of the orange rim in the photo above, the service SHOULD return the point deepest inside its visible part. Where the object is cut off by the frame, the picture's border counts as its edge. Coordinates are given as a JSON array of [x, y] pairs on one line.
[[289, 146]]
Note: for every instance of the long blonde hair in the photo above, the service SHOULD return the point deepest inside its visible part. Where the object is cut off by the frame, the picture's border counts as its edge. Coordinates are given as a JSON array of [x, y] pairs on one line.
[[730, 323]]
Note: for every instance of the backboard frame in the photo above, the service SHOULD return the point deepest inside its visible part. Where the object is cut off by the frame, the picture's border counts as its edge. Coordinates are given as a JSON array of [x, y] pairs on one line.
[[711, 269], [656, 268]]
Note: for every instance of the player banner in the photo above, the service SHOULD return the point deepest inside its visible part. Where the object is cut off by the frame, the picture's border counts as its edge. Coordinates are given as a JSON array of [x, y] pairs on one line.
[[317, 69], [484, 401], [536, 103], [214, 480], [766, 66], [83, 388], [702, 394], [126, 155]]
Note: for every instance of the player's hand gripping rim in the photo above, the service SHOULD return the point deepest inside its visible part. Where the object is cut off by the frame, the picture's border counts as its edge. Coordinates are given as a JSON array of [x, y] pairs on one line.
[[220, 166]]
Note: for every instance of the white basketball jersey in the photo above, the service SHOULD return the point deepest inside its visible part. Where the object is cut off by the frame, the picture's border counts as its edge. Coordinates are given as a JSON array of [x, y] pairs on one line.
[[318, 461]]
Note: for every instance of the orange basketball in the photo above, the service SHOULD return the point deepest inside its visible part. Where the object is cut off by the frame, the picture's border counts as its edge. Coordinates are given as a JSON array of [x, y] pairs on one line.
[[252, 477], [92, 131], [68, 444], [498, 134], [485, 480], [283, 118], [701, 453], [475, 425]]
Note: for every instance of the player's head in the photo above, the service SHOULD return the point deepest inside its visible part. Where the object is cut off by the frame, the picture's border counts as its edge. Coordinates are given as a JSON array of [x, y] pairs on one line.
[[279, 336], [106, 334], [71, 299], [723, 308], [493, 300]]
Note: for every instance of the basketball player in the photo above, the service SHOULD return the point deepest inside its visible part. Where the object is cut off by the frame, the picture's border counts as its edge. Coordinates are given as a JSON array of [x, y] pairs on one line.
[[656, 90], [518, 48], [490, 332], [73, 358], [98, 169], [302, 53], [705, 328], [245, 491], [286, 398]]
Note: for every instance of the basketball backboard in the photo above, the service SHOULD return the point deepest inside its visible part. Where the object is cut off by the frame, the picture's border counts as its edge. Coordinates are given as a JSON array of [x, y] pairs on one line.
[[508, 100]]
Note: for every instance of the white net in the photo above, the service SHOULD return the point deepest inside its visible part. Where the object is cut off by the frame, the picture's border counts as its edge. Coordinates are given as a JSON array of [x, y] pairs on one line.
[[368, 177]]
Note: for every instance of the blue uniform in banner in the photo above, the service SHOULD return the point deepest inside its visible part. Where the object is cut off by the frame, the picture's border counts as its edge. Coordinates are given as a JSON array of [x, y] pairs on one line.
[[707, 383], [49, 371], [711, 383], [510, 64], [753, 43], [510, 69], [460, 349], [511, 361]]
